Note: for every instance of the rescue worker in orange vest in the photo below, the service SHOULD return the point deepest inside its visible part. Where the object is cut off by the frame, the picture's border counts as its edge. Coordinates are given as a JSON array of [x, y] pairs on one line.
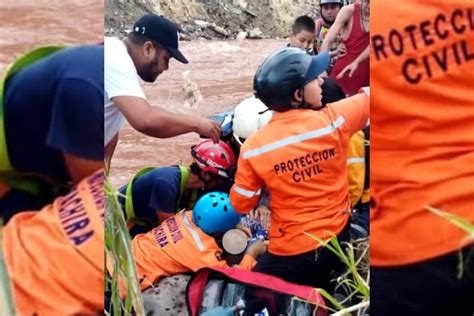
[[422, 157], [358, 166], [55, 257], [154, 194], [300, 158], [187, 242]]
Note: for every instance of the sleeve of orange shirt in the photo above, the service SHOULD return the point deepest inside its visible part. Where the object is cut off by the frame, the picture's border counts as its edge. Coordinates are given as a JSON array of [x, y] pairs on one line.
[[245, 193], [355, 111]]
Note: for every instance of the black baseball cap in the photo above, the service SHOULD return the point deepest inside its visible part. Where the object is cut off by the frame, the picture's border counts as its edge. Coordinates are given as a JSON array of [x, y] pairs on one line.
[[161, 30]]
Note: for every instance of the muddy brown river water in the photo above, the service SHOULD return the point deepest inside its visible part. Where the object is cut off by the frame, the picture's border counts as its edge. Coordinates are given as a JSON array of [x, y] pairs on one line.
[[223, 72], [27, 23]]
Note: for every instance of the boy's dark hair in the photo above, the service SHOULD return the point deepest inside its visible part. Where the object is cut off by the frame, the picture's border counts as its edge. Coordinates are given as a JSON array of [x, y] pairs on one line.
[[303, 23], [331, 91]]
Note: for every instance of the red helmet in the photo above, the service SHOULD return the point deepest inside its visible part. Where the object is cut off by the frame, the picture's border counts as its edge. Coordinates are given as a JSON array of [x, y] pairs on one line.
[[215, 158]]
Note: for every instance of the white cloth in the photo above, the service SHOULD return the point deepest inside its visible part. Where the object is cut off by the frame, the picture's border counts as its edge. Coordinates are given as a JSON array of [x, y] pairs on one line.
[[120, 79]]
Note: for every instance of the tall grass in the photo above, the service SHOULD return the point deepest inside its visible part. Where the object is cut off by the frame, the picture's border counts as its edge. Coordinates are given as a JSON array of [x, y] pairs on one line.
[[119, 258], [6, 299], [355, 280]]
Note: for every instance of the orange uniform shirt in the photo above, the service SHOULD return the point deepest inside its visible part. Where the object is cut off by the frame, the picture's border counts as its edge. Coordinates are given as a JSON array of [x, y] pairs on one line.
[[177, 246], [301, 158], [422, 66], [55, 257]]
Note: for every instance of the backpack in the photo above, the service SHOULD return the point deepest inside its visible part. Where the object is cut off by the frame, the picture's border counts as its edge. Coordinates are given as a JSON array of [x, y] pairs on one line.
[[211, 288]]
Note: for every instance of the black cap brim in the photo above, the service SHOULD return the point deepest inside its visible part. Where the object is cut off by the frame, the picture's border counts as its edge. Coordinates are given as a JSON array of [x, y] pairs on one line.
[[176, 54]]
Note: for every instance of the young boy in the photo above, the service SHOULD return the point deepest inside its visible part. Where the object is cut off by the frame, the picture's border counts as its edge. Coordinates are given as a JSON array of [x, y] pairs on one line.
[[300, 158], [186, 242], [302, 34]]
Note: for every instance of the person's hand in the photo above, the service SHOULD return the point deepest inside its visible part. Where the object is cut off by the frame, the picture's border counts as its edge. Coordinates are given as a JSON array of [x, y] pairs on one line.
[[263, 213], [208, 128], [257, 248], [245, 229], [341, 50], [351, 68]]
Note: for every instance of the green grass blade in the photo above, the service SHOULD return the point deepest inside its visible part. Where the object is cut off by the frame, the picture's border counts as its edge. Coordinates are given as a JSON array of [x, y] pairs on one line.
[[120, 257], [6, 298]]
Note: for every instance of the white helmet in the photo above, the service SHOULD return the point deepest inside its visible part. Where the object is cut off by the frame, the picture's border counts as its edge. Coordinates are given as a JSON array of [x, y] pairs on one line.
[[249, 115]]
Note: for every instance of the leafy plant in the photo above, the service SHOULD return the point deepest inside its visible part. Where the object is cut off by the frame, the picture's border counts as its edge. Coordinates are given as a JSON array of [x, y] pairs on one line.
[[355, 280], [121, 272]]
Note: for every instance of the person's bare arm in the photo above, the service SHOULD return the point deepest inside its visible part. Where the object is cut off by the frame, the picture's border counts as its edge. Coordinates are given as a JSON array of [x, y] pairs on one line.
[[352, 67], [342, 18], [158, 122], [162, 216], [79, 168]]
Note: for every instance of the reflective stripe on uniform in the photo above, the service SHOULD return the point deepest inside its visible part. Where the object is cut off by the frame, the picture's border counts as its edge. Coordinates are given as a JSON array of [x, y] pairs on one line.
[[193, 232], [355, 160], [246, 193], [295, 139]]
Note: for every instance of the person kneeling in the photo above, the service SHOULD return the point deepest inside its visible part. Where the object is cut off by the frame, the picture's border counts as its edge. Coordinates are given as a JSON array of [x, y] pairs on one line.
[[188, 242]]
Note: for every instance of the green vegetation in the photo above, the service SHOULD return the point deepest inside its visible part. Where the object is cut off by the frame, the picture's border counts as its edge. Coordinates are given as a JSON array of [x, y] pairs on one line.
[[119, 258]]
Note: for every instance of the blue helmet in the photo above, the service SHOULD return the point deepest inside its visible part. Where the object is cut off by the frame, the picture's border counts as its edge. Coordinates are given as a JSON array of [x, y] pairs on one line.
[[213, 213]]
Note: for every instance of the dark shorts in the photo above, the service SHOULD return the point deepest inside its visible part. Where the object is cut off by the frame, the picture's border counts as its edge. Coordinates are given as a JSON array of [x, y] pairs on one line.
[[428, 288], [314, 268]]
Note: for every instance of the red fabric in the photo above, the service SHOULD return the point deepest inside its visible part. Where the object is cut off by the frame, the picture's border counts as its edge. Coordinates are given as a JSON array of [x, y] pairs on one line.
[[195, 291], [357, 41], [197, 284]]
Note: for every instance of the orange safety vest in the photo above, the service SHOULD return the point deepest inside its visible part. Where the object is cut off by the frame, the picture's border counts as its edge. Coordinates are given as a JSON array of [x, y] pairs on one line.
[[55, 257], [177, 246], [422, 128], [301, 158]]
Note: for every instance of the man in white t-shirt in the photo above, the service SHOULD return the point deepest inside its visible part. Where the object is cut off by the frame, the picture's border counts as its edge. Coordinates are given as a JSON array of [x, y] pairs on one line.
[[144, 54]]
